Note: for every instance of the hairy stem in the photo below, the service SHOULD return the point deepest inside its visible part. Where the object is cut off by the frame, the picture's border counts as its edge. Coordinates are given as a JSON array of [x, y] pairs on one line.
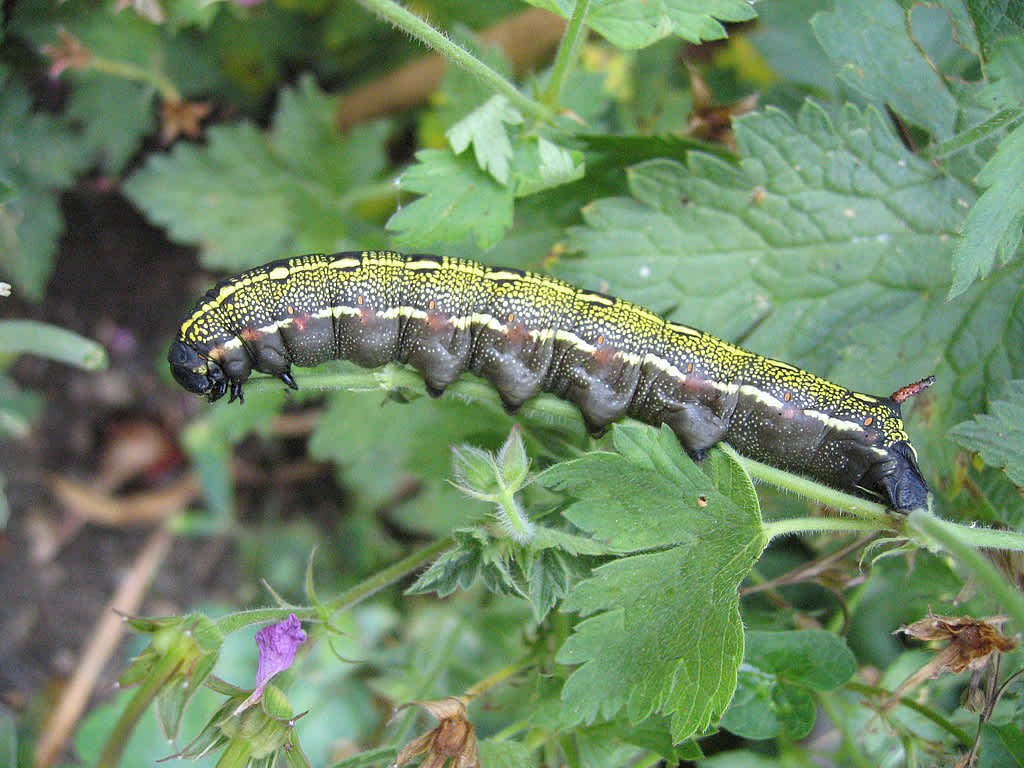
[[568, 51], [960, 542], [413, 25], [347, 599]]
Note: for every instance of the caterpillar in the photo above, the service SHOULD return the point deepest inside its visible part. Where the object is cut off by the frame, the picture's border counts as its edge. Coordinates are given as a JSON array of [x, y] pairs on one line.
[[526, 333]]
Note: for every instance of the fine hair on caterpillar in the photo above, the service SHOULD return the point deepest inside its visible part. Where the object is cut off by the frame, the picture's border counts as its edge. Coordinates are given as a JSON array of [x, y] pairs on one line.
[[527, 333]]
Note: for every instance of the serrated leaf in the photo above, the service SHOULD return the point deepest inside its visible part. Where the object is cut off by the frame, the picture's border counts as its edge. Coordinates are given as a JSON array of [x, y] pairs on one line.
[[541, 164], [248, 197], [549, 580], [995, 19], [484, 129], [662, 631], [992, 229], [830, 240], [636, 25], [458, 200], [870, 43], [458, 568], [39, 155], [999, 435], [780, 669]]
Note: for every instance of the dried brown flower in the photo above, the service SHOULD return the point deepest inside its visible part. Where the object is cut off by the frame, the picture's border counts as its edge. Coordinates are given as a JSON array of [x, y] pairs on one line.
[[971, 644], [971, 641], [453, 739], [182, 118]]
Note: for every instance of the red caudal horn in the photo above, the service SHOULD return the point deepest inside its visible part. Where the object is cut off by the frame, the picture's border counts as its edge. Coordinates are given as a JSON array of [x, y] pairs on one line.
[[904, 393]]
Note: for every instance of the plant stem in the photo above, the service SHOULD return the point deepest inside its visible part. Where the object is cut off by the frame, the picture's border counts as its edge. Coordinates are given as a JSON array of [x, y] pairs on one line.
[[862, 508], [794, 525], [509, 670], [162, 83], [972, 135], [957, 540], [910, 703], [413, 25], [346, 599], [568, 51]]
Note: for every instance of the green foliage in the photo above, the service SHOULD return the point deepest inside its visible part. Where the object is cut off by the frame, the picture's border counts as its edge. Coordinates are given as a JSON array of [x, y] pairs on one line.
[[780, 672], [248, 197], [588, 598], [998, 436], [639, 25], [662, 631]]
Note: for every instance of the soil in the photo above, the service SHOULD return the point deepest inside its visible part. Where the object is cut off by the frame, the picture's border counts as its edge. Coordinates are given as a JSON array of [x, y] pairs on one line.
[[119, 281]]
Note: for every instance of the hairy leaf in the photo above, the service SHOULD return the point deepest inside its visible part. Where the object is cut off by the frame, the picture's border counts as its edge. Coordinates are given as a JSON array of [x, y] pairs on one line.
[[662, 631], [635, 25], [458, 200], [999, 435], [484, 128]]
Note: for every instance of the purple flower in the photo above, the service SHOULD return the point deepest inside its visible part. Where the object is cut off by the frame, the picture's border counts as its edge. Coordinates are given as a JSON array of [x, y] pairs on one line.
[[277, 644]]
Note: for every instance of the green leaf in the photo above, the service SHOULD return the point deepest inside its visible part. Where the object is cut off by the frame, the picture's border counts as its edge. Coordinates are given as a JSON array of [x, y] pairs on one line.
[[484, 128], [550, 577], [995, 19], [785, 39], [540, 165], [828, 246], [870, 42], [780, 669], [458, 568], [1006, 73], [662, 631], [115, 115], [51, 342], [1002, 746], [505, 754], [458, 200], [39, 155], [249, 197], [992, 230], [999, 435], [636, 25]]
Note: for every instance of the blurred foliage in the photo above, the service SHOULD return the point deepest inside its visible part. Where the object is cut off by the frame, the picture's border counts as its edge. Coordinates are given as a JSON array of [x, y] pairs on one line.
[[836, 184]]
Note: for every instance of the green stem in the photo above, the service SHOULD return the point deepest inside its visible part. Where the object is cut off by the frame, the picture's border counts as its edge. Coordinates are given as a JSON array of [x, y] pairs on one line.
[[346, 599], [164, 85], [802, 486], [413, 25], [972, 135], [157, 678], [796, 525], [568, 51], [496, 678], [957, 540], [910, 703]]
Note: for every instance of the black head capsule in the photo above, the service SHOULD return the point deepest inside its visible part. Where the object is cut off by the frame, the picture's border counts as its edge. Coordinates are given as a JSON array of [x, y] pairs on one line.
[[898, 480], [196, 373]]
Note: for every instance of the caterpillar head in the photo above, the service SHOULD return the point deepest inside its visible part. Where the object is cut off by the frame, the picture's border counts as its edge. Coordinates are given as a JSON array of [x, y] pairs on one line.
[[898, 479], [196, 373]]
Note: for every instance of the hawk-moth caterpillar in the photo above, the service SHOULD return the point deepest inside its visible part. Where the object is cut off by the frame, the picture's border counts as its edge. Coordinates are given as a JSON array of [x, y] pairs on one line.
[[527, 333]]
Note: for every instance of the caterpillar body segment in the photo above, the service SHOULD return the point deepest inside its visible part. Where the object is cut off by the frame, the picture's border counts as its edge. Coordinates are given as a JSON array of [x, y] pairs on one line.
[[526, 333]]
